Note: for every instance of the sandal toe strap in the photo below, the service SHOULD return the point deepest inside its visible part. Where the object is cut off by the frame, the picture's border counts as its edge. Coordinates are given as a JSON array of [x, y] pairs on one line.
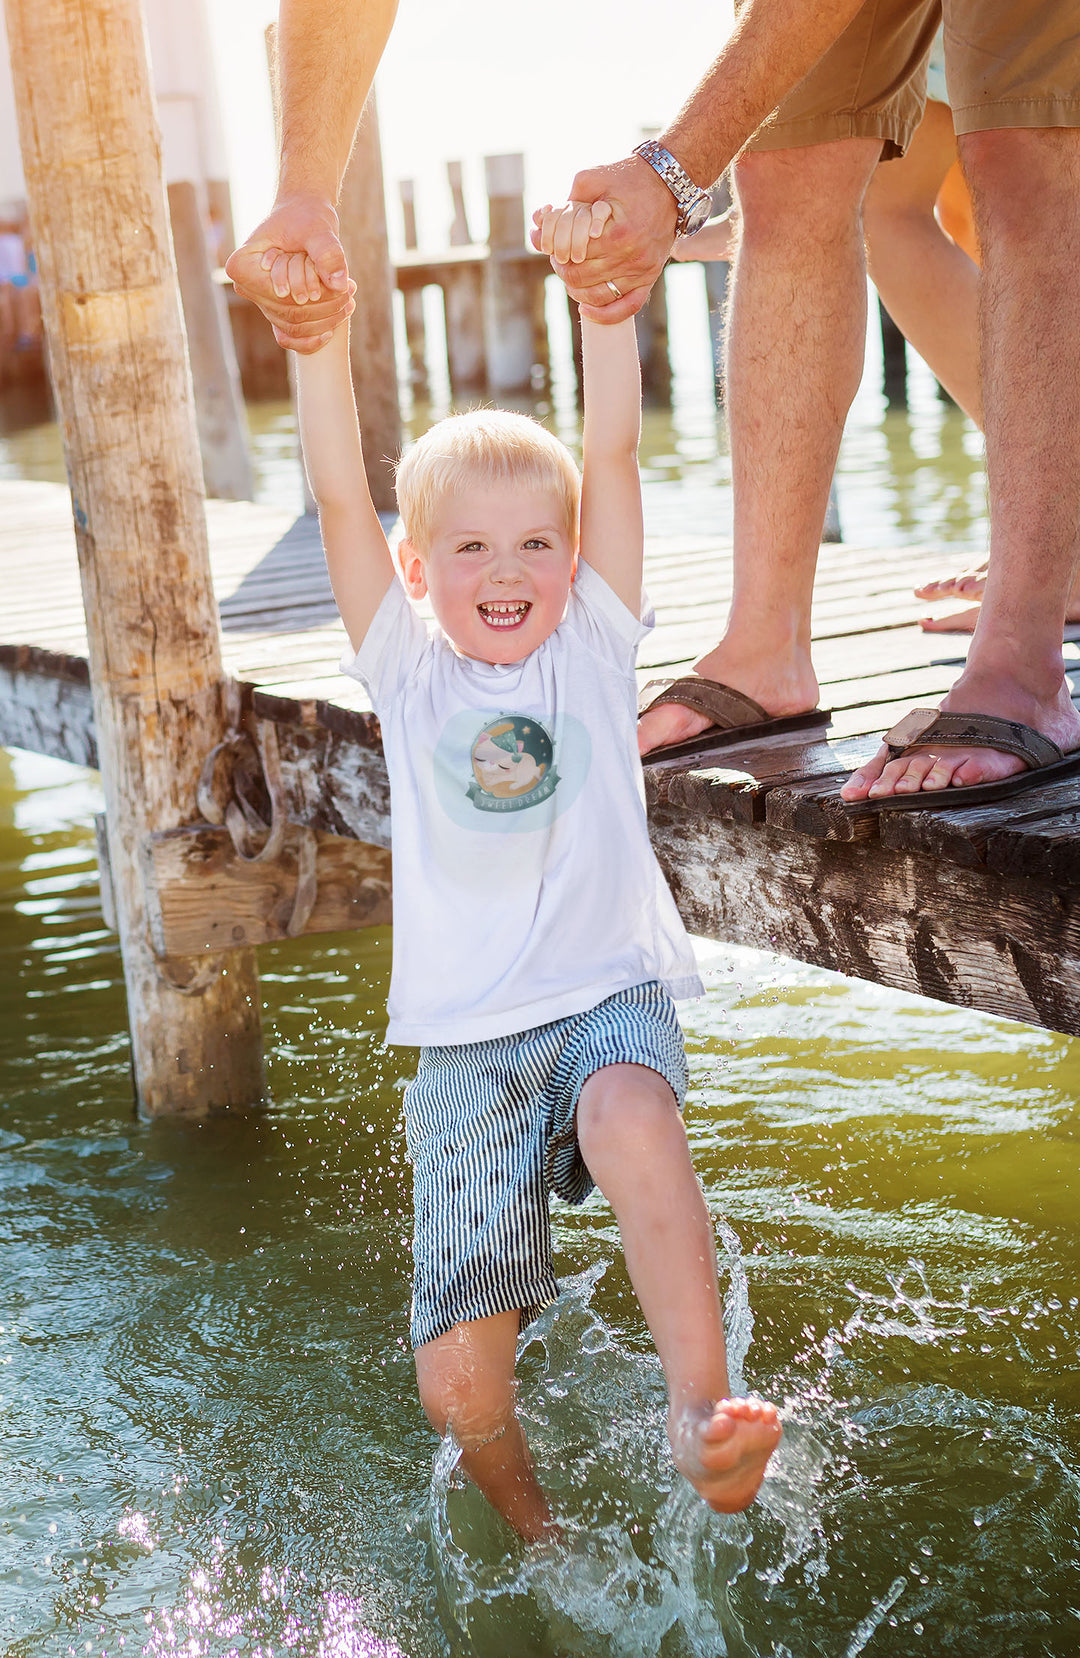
[[929, 728], [719, 703]]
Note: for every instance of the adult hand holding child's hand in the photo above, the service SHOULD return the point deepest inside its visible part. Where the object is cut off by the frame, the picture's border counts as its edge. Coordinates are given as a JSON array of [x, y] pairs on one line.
[[293, 268], [613, 278]]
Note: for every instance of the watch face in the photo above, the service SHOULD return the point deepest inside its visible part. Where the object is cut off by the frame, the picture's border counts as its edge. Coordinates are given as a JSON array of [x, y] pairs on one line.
[[698, 214]]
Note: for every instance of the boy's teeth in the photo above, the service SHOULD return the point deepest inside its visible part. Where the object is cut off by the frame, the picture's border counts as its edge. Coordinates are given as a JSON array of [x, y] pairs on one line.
[[501, 613]]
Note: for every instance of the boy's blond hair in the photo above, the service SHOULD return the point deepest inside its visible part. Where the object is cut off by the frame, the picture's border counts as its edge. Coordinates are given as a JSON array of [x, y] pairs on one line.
[[483, 447]]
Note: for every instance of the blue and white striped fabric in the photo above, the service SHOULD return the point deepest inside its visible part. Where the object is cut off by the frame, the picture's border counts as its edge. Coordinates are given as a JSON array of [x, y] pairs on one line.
[[491, 1133]]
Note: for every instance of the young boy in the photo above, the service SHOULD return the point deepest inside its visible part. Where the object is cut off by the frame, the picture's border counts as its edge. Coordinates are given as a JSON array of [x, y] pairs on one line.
[[536, 946]]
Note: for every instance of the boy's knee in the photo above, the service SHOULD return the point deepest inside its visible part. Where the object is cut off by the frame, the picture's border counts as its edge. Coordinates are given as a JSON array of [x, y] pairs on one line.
[[459, 1393], [624, 1104]]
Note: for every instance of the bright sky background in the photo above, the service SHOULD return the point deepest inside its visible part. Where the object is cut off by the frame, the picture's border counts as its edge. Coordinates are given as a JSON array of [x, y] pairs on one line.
[[570, 82]]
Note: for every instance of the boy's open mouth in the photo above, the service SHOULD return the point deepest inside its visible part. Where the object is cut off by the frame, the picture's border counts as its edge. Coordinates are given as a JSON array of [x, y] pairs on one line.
[[504, 613]]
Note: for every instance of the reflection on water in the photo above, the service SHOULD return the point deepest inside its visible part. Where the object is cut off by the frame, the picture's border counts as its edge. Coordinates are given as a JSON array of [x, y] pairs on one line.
[[211, 1441], [904, 476]]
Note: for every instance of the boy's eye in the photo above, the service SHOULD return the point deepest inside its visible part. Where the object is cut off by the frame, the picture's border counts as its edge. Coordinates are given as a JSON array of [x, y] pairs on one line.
[[472, 547], [536, 543]]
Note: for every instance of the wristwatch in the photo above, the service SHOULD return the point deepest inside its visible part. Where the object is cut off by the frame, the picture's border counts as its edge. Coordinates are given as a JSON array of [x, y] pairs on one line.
[[695, 206]]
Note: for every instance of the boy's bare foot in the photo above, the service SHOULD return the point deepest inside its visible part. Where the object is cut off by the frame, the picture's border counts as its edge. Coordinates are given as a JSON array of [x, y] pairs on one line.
[[723, 1450]]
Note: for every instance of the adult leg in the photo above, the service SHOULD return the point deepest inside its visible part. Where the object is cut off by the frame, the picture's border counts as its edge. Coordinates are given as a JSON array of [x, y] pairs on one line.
[[466, 1381], [1026, 188], [795, 352], [634, 1145], [929, 285]]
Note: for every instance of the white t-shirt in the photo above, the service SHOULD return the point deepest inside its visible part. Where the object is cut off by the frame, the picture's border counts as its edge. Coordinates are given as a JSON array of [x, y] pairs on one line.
[[525, 886]]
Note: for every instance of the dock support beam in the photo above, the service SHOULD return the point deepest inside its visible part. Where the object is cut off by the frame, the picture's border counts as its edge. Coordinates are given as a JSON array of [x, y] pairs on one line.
[[362, 217], [91, 152]]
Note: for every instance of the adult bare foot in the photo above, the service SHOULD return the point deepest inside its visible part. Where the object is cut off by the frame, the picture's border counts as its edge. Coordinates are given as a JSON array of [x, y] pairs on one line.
[[723, 1450], [781, 685], [948, 767], [970, 585]]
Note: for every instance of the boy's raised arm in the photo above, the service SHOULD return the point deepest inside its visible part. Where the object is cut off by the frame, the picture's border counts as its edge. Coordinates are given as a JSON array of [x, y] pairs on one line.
[[357, 555], [612, 532]]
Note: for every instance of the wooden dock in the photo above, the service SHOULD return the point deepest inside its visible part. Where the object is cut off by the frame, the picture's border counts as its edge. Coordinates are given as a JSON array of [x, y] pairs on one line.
[[980, 907]]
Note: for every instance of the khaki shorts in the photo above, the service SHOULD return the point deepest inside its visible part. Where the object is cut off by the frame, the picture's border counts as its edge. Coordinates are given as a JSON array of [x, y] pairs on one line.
[[1009, 63]]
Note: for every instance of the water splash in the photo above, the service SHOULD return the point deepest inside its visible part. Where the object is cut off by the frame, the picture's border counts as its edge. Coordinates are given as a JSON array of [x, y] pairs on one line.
[[874, 1618], [647, 1568]]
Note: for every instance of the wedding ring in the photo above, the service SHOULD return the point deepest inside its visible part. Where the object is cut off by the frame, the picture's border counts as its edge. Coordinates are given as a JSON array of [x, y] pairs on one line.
[[616, 291]]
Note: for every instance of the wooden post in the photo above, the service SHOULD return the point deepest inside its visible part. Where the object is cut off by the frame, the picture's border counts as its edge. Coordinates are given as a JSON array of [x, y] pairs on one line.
[[460, 235], [508, 290], [219, 402], [415, 331], [463, 297], [576, 349], [92, 157], [717, 283], [651, 323], [894, 361], [362, 217]]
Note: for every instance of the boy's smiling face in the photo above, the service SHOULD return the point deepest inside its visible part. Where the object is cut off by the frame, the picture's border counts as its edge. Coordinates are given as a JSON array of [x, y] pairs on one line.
[[498, 570]]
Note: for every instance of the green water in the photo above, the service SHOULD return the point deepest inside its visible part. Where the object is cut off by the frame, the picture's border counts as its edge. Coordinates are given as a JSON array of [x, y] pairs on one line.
[[211, 1444]]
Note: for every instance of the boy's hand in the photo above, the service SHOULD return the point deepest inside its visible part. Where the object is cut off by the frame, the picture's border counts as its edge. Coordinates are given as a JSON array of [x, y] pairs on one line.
[[564, 233], [614, 279], [300, 237], [295, 280]]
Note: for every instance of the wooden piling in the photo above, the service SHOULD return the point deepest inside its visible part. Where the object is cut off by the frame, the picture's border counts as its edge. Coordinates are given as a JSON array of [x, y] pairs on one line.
[[362, 220], [415, 332], [894, 361], [463, 296], [717, 282], [219, 402], [92, 158], [651, 323], [508, 290]]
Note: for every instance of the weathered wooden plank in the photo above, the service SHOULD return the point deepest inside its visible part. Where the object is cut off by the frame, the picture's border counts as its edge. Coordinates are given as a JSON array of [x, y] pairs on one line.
[[1046, 851], [735, 782], [814, 809], [334, 774], [46, 705], [208, 898], [966, 936], [962, 836]]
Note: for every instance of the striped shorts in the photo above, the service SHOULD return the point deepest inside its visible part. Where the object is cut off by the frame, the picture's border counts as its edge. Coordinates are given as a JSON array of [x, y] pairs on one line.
[[491, 1131]]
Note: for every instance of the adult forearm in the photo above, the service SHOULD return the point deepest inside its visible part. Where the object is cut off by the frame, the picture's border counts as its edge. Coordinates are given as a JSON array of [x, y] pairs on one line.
[[328, 52], [775, 43]]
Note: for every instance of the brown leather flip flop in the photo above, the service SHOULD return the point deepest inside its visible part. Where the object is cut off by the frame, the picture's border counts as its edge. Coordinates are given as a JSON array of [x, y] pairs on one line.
[[736, 718], [927, 728]]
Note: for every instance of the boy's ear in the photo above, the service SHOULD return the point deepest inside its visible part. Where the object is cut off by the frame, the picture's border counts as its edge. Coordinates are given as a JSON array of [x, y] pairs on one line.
[[412, 569]]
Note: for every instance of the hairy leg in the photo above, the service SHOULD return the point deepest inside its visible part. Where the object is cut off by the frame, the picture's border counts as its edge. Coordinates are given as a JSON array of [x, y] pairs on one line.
[[929, 285], [795, 353], [466, 1381], [1026, 188], [634, 1145]]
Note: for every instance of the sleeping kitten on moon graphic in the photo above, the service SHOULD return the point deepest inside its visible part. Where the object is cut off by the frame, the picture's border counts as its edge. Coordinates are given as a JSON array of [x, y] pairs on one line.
[[511, 765]]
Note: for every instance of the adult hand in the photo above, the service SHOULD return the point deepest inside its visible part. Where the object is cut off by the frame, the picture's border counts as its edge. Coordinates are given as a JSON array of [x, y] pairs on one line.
[[293, 268], [635, 243]]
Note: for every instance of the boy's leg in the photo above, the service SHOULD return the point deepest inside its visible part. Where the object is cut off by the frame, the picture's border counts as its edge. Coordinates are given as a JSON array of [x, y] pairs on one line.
[[466, 1381], [634, 1145]]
